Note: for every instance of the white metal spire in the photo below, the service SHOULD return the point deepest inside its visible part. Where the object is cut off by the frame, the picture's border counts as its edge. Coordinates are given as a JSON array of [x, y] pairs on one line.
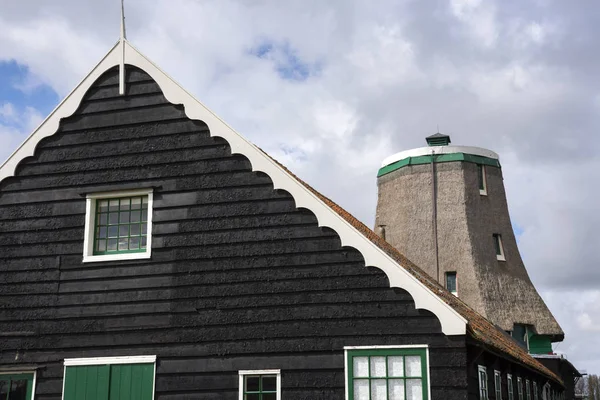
[[122, 40]]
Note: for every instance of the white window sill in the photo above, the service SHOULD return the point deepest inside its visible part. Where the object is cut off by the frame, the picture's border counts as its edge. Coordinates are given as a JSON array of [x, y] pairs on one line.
[[500, 258], [117, 257], [483, 192]]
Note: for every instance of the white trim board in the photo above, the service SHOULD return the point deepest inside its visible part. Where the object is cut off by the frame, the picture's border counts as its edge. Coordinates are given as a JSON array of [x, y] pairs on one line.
[[452, 322], [70, 362]]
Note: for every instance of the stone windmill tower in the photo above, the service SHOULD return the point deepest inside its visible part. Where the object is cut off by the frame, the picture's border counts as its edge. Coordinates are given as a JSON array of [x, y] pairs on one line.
[[445, 208]]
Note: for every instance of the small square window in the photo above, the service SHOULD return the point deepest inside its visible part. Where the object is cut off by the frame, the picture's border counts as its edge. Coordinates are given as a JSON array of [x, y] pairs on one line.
[[499, 247], [482, 179], [451, 283], [18, 385], [260, 385], [118, 225]]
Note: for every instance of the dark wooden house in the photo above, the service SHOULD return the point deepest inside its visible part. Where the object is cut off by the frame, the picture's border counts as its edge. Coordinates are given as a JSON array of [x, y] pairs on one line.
[[148, 251]]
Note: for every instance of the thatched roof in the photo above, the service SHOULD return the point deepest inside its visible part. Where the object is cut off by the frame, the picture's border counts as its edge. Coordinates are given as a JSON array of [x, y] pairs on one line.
[[479, 328]]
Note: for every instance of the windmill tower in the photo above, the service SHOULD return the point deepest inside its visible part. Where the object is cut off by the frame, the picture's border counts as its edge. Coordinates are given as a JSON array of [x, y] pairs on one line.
[[445, 208]]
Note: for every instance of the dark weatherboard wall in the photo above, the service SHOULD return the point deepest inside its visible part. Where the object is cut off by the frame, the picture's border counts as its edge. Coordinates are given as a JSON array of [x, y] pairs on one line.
[[239, 278]]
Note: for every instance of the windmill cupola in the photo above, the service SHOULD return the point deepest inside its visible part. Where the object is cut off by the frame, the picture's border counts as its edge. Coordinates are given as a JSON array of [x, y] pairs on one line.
[[439, 139]]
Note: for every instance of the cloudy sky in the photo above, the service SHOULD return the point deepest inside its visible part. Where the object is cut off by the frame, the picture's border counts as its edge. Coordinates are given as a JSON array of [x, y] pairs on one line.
[[332, 87]]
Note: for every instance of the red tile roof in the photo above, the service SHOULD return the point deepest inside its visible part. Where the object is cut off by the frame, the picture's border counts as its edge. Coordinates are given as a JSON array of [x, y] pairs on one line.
[[478, 326]]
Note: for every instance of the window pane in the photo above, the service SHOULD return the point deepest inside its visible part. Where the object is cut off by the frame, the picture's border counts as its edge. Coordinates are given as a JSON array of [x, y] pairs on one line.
[[112, 245], [136, 203], [135, 216], [123, 244], [144, 215], [18, 390], [113, 231], [101, 245], [124, 230], [413, 365], [252, 383], [134, 243], [378, 389], [124, 204], [361, 367], [102, 206], [143, 244], [114, 205], [144, 229], [113, 218], [101, 232], [145, 202], [4, 389], [414, 389], [378, 366], [361, 389], [269, 396], [102, 219], [269, 383], [135, 230], [396, 389], [395, 366], [255, 396], [124, 218]]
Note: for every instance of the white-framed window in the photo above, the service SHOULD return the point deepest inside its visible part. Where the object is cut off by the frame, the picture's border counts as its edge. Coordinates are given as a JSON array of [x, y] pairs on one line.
[[520, 387], [387, 372], [499, 246], [482, 179], [107, 377], [535, 391], [260, 384], [452, 282], [118, 225], [511, 389], [17, 385], [528, 389], [498, 384], [483, 383]]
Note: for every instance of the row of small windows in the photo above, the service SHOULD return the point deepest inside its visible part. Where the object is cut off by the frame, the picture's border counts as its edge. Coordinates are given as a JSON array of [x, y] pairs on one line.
[[527, 390]]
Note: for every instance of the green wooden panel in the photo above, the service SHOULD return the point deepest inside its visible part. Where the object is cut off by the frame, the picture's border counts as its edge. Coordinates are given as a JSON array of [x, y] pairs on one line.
[[89, 382], [540, 344], [131, 382]]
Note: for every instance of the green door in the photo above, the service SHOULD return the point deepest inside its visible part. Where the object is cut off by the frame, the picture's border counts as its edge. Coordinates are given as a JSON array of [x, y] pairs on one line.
[[109, 382]]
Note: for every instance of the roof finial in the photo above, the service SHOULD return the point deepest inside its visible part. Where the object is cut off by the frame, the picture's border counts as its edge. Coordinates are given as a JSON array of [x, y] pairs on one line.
[[123, 31], [122, 44]]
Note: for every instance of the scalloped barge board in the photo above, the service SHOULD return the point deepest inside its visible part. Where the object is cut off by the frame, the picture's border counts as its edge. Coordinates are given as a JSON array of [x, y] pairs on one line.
[[452, 322]]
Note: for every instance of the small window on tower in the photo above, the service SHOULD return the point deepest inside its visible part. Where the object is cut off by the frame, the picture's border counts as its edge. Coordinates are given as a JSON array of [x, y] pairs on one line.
[[451, 283], [499, 247], [482, 179]]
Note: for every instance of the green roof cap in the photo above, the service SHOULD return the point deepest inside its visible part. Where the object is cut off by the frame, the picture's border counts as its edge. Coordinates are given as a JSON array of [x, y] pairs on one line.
[[438, 140]]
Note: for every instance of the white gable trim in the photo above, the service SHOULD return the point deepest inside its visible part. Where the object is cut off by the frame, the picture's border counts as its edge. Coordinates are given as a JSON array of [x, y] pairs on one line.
[[452, 323]]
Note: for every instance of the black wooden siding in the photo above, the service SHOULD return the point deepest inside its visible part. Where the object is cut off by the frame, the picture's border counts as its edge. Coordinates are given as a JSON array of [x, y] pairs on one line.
[[239, 277]]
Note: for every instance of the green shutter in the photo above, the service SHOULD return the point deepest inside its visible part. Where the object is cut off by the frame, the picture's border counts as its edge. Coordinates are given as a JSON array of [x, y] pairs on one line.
[[540, 344], [109, 382], [88, 382], [131, 382]]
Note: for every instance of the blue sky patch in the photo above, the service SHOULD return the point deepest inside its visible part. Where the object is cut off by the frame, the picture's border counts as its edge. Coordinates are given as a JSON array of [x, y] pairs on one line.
[[288, 64], [12, 77]]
